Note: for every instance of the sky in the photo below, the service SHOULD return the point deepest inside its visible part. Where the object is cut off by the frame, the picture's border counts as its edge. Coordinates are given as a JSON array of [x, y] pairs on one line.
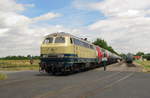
[[124, 24]]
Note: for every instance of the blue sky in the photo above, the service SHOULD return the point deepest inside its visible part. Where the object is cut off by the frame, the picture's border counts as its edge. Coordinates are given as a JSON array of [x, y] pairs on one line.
[[44, 6], [71, 17]]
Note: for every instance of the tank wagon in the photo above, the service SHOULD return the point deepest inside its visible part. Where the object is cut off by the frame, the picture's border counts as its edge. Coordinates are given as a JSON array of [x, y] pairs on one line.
[[129, 58], [61, 52]]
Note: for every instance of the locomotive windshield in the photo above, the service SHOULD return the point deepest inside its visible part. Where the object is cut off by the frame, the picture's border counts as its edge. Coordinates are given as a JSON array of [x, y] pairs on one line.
[[48, 40], [59, 40], [54, 40]]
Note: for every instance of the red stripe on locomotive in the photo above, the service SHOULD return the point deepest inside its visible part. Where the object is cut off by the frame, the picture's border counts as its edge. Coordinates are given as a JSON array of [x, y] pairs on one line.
[[100, 54]]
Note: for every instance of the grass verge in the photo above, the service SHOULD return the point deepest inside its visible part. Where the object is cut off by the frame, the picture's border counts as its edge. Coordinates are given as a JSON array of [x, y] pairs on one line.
[[13, 65], [145, 65], [3, 76]]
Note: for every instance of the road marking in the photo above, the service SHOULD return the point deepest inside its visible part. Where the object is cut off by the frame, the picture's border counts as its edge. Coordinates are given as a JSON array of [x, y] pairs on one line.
[[87, 94], [52, 93], [125, 77]]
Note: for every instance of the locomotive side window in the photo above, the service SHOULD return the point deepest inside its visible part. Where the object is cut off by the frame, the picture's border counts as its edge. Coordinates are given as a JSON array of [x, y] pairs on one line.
[[48, 40], [91, 46], [76, 42], [59, 40], [81, 43], [86, 45]]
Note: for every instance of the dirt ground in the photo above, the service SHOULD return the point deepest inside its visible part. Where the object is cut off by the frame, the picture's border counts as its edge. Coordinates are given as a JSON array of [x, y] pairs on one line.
[[122, 66]]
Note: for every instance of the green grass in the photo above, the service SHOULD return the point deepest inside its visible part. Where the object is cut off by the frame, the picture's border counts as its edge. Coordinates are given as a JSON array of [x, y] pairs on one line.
[[145, 65], [10, 65], [3, 76]]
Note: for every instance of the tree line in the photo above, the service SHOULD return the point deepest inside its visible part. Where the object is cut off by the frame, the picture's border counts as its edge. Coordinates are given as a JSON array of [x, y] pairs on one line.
[[28, 57], [103, 44], [144, 55]]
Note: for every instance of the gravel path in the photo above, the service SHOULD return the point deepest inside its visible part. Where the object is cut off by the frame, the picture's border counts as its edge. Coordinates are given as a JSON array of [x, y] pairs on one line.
[[122, 66]]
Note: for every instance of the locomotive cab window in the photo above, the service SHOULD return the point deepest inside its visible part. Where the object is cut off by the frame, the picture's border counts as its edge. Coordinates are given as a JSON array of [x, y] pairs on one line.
[[59, 40], [48, 40]]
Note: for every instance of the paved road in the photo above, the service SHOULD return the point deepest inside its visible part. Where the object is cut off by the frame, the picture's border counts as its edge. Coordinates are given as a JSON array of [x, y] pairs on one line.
[[90, 84]]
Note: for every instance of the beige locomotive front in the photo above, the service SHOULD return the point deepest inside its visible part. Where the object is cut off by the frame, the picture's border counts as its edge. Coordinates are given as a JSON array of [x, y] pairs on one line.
[[61, 52], [58, 44]]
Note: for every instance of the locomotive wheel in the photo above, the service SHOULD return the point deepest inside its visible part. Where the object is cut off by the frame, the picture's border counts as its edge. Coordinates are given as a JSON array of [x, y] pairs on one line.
[[48, 70], [76, 68], [72, 69], [63, 71]]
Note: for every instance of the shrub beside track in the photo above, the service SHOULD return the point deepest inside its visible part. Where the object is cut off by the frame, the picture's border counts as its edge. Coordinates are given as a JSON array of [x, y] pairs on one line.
[[7, 65], [3, 76], [145, 65]]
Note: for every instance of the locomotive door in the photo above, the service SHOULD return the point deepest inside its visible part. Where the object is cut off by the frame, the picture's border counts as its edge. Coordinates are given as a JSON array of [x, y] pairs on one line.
[[75, 48]]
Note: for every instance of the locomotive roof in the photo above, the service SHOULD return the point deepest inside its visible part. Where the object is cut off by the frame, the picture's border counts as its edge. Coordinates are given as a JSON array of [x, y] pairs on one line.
[[70, 35], [61, 34], [66, 34]]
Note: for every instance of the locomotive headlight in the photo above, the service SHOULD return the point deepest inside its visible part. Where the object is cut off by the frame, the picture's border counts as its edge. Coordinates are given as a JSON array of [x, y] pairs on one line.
[[44, 55], [60, 55]]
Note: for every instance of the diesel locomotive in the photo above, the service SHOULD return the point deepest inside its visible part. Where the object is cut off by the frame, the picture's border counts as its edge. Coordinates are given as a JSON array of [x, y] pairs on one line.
[[129, 58], [61, 52]]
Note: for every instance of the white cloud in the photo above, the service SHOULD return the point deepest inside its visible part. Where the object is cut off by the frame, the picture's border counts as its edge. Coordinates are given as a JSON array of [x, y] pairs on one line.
[[12, 19], [46, 16], [10, 5], [122, 8], [126, 26], [19, 34], [26, 40]]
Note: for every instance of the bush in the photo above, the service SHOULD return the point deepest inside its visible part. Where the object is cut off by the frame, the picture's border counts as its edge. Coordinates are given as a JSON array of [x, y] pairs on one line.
[[147, 56], [3, 76]]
